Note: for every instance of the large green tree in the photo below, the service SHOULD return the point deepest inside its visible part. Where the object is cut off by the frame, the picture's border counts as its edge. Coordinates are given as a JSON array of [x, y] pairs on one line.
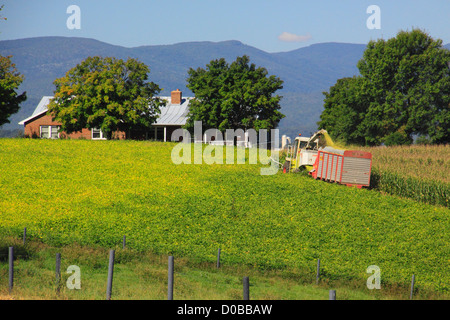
[[403, 90], [106, 93], [10, 80], [344, 110], [232, 96]]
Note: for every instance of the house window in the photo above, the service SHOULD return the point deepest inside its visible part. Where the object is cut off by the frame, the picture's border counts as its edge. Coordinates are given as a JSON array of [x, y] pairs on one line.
[[97, 134], [49, 132]]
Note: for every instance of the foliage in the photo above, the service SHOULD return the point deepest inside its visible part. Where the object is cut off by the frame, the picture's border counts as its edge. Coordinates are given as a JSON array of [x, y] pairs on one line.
[[343, 111], [433, 192], [425, 162], [424, 140], [403, 89], [236, 95], [399, 137], [420, 172], [10, 80], [94, 192], [106, 93]]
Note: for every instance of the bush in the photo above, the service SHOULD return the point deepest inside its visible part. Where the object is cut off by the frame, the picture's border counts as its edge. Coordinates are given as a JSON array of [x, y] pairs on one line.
[[397, 138], [423, 140]]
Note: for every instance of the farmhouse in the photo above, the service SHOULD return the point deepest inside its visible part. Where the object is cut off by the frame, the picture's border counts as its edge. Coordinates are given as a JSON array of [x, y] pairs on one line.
[[173, 116]]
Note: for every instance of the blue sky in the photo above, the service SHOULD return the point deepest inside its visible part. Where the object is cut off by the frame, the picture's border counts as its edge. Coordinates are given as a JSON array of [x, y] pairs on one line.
[[272, 26]]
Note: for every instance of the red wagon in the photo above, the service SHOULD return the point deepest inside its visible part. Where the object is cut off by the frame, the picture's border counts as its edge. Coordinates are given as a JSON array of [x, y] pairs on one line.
[[349, 167]]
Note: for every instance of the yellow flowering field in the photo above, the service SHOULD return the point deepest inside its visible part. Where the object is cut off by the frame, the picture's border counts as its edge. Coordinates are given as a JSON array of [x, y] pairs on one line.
[[95, 192]]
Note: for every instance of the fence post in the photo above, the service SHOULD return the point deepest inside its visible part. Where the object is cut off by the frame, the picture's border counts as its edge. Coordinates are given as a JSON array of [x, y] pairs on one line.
[[24, 235], [412, 288], [332, 294], [11, 268], [218, 258], [58, 271], [110, 274], [170, 279], [318, 271], [246, 283]]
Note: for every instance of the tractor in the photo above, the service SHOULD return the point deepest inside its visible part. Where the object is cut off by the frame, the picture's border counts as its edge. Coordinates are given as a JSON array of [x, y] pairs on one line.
[[303, 152]]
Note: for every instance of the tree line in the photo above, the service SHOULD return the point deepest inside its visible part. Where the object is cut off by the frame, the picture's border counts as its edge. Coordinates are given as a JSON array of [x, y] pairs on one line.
[[115, 95], [402, 92]]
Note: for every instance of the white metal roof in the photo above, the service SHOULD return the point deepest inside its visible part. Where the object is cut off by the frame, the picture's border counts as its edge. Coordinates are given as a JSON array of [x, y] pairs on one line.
[[171, 114], [40, 109]]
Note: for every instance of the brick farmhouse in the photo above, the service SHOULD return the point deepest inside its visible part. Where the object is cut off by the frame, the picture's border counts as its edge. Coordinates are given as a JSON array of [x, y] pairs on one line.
[[173, 116]]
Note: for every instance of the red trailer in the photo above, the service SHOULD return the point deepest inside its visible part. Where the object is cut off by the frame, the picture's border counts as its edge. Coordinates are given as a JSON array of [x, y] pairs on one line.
[[349, 167]]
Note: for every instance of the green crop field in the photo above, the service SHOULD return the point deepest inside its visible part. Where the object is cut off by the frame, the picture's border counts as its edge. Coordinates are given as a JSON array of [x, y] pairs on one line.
[[94, 192]]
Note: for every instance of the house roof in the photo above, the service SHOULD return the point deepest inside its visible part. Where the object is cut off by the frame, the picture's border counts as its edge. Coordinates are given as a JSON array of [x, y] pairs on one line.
[[171, 114], [40, 109]]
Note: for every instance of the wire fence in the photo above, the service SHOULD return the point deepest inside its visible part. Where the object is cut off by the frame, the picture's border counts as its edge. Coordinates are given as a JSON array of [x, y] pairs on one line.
[[74, 283]]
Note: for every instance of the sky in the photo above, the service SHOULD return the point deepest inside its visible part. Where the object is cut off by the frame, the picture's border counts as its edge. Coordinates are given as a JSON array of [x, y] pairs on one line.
[[269, 25]]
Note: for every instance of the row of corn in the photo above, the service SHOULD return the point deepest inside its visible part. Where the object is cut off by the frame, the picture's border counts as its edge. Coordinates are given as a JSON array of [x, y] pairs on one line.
[[429, 191]]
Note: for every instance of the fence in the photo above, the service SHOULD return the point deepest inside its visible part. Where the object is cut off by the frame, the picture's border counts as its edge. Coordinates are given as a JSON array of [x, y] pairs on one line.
[[171, 263]]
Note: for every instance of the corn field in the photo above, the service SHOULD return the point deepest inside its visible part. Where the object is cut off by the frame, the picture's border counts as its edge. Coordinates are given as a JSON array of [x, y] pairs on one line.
[[420, 172]]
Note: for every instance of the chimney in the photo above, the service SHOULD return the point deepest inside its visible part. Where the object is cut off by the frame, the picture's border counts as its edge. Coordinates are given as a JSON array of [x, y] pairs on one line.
[[176, 97]]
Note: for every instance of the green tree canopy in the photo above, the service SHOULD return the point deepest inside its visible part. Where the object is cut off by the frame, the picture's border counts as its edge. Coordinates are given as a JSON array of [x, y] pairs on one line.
[[403, 90], [10, 80], [106, 93], [236, 95]]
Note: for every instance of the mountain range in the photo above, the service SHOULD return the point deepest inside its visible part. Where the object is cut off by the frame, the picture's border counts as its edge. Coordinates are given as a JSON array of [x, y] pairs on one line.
[[306, 72]]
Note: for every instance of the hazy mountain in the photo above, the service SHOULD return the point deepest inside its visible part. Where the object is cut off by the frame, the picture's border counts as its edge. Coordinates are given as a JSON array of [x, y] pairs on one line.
[[306, 72]]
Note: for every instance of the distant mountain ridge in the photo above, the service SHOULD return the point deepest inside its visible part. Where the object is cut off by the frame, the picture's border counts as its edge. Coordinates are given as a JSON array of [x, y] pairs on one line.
[[306, 72]]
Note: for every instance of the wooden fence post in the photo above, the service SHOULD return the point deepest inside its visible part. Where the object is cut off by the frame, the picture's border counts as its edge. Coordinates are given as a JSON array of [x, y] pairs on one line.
[[412, 288], [110, 274], [246, 283], [58, 271], [218, 259], [332, 294], [318, 271], [170, 279], [11, 268]]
